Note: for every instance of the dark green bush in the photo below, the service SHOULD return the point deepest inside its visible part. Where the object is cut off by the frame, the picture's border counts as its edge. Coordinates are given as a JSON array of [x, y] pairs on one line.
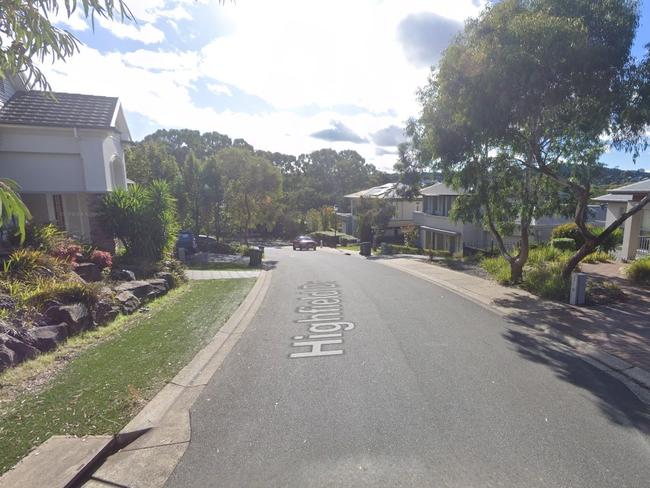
[[612, 241], [639, 271], [568, 231], [397, 249], [563, 244], [143, 219], [545, 280]]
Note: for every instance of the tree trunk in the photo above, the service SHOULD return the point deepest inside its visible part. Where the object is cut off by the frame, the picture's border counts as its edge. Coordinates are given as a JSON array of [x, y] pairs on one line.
[[248, 219], [516, 270], [587, 248], [217, 221]]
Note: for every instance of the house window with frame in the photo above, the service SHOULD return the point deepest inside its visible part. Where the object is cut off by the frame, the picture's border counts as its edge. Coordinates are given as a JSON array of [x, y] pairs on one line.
[[59, 216]]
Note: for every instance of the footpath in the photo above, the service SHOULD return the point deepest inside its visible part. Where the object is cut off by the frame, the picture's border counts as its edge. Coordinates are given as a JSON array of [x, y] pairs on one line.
[[614, 338]]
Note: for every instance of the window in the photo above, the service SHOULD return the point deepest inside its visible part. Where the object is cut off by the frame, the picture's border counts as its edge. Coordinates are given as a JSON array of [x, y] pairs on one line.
[[59, 215]]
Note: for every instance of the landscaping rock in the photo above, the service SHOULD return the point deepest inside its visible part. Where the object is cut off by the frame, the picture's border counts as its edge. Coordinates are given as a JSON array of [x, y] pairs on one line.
[[122, 275], [46, 338], [89, 272], [21, 350], [127, 301], [6, 301], [140, 289], [105, 311], [7, 357], [77, 316], [158, 287], [168, 277]]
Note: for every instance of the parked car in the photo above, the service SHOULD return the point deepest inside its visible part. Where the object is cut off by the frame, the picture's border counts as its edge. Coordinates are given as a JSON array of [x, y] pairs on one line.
[[206, 243], [304, 242], [187, 241]]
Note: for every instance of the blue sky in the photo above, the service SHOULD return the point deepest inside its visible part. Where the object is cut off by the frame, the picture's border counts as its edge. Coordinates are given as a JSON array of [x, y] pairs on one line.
[[286, 75]]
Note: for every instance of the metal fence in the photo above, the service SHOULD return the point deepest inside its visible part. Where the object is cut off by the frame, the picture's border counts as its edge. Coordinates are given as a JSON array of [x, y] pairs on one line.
[[644, 245]]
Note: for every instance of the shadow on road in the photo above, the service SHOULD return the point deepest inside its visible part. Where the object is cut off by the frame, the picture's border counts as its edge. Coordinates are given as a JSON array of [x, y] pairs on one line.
[[618, 404], [622, 329]]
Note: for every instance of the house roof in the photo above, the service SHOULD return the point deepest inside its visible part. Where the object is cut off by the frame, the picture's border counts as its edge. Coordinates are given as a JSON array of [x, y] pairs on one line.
[[641, 187], [387, 191], [610, 197], [438, 189], [44, 109]]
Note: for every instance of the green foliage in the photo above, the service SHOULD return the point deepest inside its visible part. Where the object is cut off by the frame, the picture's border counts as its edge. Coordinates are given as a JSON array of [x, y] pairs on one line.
[[12, 207], [545, 280], [29, 264], [46, 237], [253, 188], [32, 37], [542, 276], [563, 243], [412, 236], [498, 268], [639, 271], [65, 292], [597, 257], [373, 215], [612, 241], [143, 219], [313, 220], [568, 231]]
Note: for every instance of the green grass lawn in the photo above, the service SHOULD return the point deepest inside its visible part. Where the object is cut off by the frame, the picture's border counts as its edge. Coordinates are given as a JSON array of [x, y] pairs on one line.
[[101, 389], [351, 247]]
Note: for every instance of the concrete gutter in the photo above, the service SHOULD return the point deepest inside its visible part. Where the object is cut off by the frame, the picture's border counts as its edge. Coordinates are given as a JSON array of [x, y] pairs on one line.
[[148, 461]]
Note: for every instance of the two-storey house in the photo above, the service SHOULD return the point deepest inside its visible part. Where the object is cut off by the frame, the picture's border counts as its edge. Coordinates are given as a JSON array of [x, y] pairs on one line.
[[65, 151]]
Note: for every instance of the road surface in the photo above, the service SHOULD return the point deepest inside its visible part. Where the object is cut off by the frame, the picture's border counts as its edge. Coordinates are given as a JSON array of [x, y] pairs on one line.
[[403, 383]]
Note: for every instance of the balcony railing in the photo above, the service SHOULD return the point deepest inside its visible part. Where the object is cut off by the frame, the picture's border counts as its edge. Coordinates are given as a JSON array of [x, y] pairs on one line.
[[644, 245]]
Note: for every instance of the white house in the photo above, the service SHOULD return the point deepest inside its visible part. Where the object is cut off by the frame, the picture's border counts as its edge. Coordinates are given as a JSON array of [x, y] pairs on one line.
[[404, 208], [438, 231], [636, 229], [65, 151]]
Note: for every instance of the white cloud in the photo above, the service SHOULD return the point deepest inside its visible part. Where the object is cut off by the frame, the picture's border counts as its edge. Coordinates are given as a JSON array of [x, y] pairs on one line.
[[146, 33], [290, 53], [219, 89]]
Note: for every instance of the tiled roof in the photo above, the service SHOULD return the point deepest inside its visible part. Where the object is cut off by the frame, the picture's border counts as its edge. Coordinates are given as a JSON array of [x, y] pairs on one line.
[[389, 190], [438, 189], [613, 198], [40, 108], [638, 187]]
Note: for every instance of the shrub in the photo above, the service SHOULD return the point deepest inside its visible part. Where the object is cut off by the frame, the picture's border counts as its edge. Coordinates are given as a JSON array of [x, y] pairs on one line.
[[568, 231], [45, 237], [143, 219], [498, 268], [544, 254], [597, 257], [397, 249], [563, 244], [601, 292], [102, 259], [545, 280], [639, 271], [67, 250], [28, 264], [412, 236], [65, 292], [612, 241]]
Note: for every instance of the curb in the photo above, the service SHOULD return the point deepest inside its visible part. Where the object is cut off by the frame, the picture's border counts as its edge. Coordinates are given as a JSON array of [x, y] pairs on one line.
[[636, 379], [149, 460]]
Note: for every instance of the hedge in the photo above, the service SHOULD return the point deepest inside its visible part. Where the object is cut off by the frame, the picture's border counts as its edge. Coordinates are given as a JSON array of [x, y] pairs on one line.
[[563, 244]]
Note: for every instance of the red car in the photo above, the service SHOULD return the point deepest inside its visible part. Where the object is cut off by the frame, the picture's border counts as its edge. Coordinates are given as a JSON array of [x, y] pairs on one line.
[[304, 242]]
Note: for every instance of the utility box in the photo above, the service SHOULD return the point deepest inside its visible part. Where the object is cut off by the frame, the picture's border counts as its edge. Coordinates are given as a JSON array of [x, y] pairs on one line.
[[578, 289], [365, 249], [255, 256]]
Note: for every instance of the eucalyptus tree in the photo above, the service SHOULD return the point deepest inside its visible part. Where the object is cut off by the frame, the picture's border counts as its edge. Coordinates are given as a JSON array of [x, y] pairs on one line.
[[544, 81]]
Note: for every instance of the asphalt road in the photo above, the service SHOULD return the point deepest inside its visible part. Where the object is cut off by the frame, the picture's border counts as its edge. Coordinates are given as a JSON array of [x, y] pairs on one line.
[[426, 389]]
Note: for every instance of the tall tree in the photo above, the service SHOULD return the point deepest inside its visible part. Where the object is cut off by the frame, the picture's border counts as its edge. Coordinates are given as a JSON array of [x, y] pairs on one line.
[[214, 184], [543, 80], [253, 189], [192, 191]]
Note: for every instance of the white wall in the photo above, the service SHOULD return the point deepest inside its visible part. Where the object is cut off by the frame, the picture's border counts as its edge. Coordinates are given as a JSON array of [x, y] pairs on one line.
[[61, 160]]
